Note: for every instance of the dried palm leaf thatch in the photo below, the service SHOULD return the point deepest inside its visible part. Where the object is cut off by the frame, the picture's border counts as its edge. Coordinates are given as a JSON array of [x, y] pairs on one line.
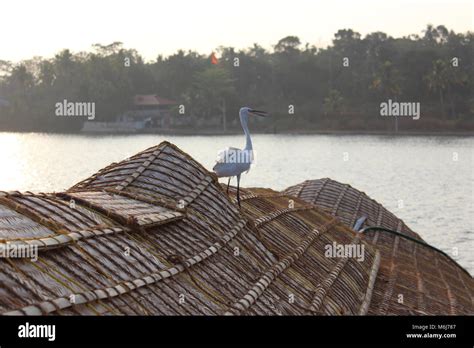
[[347, 203], [414, 277], [156, 234]]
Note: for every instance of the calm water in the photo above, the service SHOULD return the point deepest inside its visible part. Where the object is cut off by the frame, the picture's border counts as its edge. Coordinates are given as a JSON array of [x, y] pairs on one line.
[[432, 176]]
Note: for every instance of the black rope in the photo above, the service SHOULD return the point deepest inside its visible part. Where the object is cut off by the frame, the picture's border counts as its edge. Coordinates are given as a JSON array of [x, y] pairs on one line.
[[383, 229]]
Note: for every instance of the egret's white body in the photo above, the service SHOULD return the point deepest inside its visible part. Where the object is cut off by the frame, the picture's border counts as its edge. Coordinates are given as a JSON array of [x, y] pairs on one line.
[[233, 161], [227, 167]]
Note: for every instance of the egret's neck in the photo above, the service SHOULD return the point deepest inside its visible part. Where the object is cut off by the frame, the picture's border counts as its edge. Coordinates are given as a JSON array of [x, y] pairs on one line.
[[245, 127]]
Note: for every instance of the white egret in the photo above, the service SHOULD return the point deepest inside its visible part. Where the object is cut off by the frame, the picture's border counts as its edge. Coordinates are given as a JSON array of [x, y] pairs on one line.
[[232, 161]]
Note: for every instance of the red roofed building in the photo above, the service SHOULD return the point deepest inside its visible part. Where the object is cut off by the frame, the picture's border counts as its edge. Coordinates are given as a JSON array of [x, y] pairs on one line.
[[149, 111], [151, 100]]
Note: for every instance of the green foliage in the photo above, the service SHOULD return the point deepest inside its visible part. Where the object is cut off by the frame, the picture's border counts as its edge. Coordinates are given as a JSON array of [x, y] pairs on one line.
[[333, 102], [318, 84], [211, 87]]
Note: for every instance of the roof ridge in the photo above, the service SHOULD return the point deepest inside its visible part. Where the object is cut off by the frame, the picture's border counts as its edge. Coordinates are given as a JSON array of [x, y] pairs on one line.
[[326, 284], [275, 270], [60, 240], [126, 286]]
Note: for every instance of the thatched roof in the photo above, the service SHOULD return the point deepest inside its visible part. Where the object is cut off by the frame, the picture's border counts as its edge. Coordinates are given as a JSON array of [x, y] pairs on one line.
[[348, 204], [156, 234], [414, 277]]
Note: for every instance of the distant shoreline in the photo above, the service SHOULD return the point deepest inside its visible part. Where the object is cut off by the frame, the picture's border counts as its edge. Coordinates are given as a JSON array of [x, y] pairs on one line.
[[215, 132], [292, 132]]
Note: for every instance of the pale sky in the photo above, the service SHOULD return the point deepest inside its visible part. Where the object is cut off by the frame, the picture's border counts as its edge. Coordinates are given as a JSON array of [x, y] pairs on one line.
[[43, 27]]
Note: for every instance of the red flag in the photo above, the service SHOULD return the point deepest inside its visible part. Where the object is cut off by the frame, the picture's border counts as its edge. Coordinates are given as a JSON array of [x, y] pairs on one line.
[[214, 59]]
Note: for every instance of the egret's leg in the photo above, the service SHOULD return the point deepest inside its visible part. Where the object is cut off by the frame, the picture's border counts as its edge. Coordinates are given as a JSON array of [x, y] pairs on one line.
[[238, 189], [228, 183]]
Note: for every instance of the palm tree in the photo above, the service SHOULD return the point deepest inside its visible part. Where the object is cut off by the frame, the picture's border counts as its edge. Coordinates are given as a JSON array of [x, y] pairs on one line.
[[212, 87], [333, 102], [438, 80], [387, 81]]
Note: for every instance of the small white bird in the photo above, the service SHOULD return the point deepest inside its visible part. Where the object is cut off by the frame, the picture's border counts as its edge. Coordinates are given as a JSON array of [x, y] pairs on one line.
[[232, 161]]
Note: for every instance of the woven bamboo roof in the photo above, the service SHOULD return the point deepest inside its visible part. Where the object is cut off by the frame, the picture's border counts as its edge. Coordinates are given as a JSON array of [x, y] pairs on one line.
[[413, 278], [348, 204], [156, 234]]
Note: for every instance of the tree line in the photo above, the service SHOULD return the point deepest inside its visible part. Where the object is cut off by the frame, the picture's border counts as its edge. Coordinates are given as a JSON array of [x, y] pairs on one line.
[[339, 87]]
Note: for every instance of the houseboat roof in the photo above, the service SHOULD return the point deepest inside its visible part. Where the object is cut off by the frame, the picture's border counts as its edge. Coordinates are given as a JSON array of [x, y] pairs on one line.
[[156, 234]]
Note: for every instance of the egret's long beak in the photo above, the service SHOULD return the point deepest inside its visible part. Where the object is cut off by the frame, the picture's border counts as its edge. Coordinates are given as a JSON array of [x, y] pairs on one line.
[[258, 113]]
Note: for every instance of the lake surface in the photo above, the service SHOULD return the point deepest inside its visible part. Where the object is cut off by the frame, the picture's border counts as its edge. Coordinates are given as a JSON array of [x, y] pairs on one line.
[[426, 181]]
